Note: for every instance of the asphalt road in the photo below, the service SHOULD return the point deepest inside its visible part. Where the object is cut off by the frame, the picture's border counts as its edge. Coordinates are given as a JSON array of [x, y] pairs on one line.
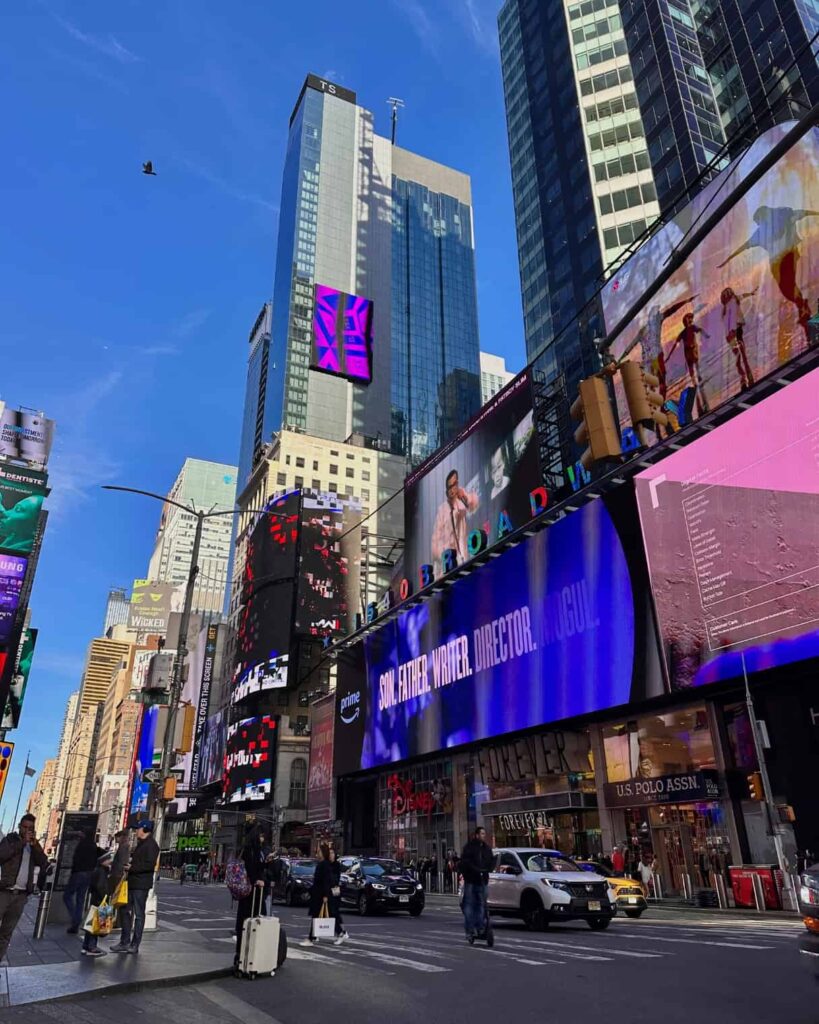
[[666, 968]]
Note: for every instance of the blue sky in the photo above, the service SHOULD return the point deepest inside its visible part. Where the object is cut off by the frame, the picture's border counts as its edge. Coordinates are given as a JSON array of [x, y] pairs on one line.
[[127, 300]]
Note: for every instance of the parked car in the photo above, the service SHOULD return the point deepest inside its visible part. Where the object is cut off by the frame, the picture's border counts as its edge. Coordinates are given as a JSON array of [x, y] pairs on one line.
[[373, 883], [809, 898], [297, 882], [543, 886], [631, 896]]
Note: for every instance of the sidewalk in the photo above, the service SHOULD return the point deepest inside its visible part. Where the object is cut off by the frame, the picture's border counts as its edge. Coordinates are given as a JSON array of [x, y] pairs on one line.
[[52, 968]]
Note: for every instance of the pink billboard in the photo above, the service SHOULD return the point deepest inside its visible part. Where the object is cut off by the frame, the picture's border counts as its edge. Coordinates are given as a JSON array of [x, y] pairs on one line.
[[739, 307], [731, 530]]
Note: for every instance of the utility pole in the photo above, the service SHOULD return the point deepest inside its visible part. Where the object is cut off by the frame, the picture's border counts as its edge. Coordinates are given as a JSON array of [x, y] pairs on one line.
[[395, 103], [788, 894]]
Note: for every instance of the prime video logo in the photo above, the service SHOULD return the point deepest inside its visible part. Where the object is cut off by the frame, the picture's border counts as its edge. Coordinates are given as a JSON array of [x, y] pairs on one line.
[[350, 707]]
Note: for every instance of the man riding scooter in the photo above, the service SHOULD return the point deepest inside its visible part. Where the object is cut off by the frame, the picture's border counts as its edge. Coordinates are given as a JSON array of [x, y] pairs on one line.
[[476, 862]]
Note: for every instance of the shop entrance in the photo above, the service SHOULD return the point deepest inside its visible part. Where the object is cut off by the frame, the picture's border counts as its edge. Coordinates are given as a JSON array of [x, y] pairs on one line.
[[673, 848]]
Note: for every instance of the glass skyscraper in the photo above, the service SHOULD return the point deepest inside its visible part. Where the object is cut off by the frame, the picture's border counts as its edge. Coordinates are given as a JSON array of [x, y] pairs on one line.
[[368, 218]]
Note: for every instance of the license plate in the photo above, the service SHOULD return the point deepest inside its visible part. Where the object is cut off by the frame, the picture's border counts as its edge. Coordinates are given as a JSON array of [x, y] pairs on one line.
[[632, 899], [594, 904], [403, 899]]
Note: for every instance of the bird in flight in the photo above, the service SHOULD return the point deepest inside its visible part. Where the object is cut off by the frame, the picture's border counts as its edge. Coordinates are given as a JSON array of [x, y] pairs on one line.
[[148, 168]]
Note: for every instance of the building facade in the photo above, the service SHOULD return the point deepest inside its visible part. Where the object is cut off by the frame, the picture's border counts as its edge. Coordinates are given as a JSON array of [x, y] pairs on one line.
[[494, 375], [116, 610], [202, 485], [370, 219]]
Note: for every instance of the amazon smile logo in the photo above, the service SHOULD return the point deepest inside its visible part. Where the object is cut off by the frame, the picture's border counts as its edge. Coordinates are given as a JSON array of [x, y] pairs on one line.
[[350, 707]]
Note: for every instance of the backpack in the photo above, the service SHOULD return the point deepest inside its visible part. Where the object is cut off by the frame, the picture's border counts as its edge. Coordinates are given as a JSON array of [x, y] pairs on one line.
[[236, 880]]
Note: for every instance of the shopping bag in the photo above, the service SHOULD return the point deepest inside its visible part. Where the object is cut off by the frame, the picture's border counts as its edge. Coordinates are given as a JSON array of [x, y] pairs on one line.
[[120, 897], [324, 926], [103, 920]]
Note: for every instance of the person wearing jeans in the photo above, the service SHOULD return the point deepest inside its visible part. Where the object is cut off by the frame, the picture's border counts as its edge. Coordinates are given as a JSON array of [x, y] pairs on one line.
[[140, 882], [20, 855], [83, 863], [476, 862]]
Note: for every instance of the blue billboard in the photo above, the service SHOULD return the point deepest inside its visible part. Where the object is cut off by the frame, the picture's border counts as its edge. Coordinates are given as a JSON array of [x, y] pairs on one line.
[[554, 628], [144, 760]]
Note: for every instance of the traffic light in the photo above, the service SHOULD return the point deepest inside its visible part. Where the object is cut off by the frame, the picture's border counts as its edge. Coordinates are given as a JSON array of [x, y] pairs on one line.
[[169, 788], [6, 750], [755, 788], [644, 400], [592, 408]]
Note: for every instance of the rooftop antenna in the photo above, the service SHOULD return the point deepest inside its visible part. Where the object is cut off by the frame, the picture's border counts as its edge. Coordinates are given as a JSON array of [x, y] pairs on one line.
[[395, 103]]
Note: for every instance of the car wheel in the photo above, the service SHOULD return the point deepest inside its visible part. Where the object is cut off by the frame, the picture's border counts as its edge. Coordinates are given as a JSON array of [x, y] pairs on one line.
[[416, 911], [364, 907], [599, 924], [533, 915], [633, 913]]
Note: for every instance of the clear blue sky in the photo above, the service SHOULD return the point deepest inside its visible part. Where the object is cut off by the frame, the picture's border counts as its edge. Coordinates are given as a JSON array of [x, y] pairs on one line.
[[127, 300]]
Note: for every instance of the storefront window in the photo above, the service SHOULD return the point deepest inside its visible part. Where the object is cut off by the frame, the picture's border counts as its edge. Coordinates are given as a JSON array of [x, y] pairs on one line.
[[653, 746], [415, 820]]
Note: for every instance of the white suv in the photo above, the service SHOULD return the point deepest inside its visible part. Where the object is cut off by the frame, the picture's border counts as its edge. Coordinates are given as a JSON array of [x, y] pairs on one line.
[[541, 886]]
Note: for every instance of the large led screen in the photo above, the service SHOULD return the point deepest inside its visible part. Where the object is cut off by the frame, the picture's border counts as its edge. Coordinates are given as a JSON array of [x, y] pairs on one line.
[[146, 748], [22, 492], [19, 681], [484, 476], [250, 760], [342, 335], [329, 565], [12, 574], [263, 634], [555, 627], [320, 777], [739, 307], [731, 528], [210, 767]]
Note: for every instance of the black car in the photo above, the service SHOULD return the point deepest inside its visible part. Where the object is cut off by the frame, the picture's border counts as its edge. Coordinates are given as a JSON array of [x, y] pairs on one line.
[[809, 909], [291, 880], [370, 884]]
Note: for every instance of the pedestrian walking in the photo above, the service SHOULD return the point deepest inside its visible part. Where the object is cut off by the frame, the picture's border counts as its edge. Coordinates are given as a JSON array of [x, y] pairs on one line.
[[20, 855], [618, 861], [83, 864], [140, 882], [476, 862], [252, 856], [99, 888], [326, 889]]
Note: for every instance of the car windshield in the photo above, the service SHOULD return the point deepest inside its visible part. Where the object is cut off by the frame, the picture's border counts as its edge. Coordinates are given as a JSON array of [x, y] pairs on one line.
[[377, 868], [303, 867], [537, 860]]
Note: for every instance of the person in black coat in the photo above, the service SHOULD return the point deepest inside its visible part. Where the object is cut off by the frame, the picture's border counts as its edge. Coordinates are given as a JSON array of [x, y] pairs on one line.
[[99, 888], [326, 888], [253, 856], [83, 863]]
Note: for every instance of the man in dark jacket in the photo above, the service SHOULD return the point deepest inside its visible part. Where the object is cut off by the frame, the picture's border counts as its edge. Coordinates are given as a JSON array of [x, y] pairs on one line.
[[140, 882], [82, 865], [122, 856], [476, 862], [20, 856]]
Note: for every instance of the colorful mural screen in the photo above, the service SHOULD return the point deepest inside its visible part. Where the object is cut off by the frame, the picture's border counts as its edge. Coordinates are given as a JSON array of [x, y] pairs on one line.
[[342, 335]]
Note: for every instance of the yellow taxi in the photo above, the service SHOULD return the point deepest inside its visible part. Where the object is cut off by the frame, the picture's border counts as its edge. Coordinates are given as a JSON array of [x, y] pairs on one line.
[[631, 896]]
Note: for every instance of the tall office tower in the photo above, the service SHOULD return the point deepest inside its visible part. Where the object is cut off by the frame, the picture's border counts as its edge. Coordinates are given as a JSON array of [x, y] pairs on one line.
[[116, 610], [375, 247], [61, 776], [494, 375], [207, 486], [711, 71], [258, 365]]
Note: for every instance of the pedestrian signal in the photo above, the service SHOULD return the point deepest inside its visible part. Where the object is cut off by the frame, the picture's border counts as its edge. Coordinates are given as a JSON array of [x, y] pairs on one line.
[[6, 750], [755, 788]]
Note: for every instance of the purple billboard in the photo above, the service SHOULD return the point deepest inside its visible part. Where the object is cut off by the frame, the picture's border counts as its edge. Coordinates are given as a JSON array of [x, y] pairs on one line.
[[12, 574], [342, 335]]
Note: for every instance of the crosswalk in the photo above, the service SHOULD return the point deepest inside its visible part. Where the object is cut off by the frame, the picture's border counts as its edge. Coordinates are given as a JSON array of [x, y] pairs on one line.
[[435, 944]]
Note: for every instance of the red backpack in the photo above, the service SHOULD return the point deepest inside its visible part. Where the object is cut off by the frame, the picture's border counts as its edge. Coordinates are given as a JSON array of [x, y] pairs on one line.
[[236, 879]]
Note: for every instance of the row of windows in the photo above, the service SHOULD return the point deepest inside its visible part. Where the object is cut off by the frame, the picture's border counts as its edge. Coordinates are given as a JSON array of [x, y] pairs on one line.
[[333, 469], [597, 56], [601, 27], [316, 485], [612, 136], [608, 108], [628, 197], [615, 238], [606, 80], [589, 7]]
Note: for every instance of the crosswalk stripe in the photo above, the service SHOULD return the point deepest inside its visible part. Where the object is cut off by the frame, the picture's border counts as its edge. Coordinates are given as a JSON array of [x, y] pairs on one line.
[[563, 950], [317, 958], [610, 953], [691, 942], [396, 961], [496, 952]]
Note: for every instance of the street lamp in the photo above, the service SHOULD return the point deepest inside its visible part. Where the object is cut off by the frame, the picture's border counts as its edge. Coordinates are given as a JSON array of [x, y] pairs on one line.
[[182, 644]]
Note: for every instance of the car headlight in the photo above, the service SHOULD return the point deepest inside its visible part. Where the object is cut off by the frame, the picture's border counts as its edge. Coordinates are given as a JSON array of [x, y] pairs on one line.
[[419, 887], [378, 885], [810, 880], [563, 886]]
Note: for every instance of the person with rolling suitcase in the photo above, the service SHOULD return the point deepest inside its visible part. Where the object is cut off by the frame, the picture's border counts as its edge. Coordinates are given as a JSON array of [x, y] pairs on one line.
[[325, 896], [262, 943]]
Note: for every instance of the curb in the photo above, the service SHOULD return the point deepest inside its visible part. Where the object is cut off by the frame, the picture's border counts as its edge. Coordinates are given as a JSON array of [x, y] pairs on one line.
[[118, 988]]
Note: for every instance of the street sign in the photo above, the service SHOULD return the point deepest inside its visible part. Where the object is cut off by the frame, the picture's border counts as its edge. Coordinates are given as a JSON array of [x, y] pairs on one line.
[[152, 775]]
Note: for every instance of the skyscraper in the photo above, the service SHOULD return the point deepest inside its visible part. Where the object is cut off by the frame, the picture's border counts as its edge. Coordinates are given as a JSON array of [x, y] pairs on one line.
[[116, 610], [258, 365], [202, 485], [494, 375], [361, 217]]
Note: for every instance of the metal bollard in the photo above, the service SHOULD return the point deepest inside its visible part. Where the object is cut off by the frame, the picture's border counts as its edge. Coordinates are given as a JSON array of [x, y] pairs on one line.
[[722, 895], [759, 892], [688, 890], [42, 912]]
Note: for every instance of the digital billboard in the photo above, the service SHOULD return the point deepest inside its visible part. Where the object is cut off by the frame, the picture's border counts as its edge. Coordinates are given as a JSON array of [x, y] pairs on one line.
[[342, 335], [250, 760], [731, 530], [25, 435], [12, 573], [19, 681], [329, 565], [22, 493], [212, 753], [739, 306], [480, 481], [320, 776], [263, 633], [152, 602], [557, 626], [144, 760]]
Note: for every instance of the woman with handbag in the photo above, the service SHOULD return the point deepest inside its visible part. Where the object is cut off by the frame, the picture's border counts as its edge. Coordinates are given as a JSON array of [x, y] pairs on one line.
[[98, 889], [325, 895]]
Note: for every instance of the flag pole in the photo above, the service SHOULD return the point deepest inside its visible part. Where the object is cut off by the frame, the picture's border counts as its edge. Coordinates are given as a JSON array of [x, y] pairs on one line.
[[20, 794]]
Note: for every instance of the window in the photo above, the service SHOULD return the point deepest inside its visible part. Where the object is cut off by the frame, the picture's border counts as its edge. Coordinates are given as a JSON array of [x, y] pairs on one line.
[[298, 780], [349, 490], [333, 452], [315, 466], [316, 485], [349, 472], [365, 475], [299, 481], [333, 469], [365, 494], [350, 457], [299, 463], [287, 460], [333, 487], [281, 479]]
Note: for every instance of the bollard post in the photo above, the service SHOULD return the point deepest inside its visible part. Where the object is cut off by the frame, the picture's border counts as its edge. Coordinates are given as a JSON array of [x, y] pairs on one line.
[[42, 912], [759, 892], [722, 895]]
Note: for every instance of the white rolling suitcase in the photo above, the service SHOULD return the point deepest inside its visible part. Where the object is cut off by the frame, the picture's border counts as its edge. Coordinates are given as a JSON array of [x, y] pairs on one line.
[[264, 942]]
